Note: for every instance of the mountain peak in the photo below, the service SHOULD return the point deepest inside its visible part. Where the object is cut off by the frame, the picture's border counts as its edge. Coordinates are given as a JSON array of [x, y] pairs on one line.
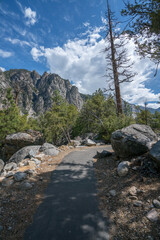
[[35, 91]]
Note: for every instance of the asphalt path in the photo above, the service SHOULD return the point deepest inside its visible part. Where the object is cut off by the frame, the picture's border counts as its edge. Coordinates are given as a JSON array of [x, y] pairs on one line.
[[69, 210]]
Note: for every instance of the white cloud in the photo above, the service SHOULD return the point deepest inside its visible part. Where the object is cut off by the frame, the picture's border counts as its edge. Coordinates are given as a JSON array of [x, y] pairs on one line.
[[86, 24], [104, 20], [67, 18], [83, 62], [5, 54], [18, 41], [3, 69], [153, 105], [30, 15], [36, 53]]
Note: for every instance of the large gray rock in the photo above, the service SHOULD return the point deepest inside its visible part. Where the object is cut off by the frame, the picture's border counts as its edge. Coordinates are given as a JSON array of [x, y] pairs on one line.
[[133, 140], [49, 149], [16, 141], [1, 165], [155, 152], [23, 153]]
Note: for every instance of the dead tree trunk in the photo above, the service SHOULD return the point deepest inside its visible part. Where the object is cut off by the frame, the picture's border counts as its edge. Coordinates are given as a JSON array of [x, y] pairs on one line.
[[114, 65]]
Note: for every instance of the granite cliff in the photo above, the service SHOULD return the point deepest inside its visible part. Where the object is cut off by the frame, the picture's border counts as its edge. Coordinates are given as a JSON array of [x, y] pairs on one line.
[[33, 92]]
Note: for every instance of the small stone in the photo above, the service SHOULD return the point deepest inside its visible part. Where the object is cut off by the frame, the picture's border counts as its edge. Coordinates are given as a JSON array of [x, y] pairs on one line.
[[151, 206], [156, 203], [10, 166], [26, 186], [1, 165], [133, 191], [140, 191], [9, 228], [32, 164], [30, 172], [150, 238], [138, 203], [9, 174], [37, 162], [3, 174], [41, 178], [7, 182], [21, 164], [133, 198], [123, 168], [135, 168], [152, 215], [40, 156], [20, 176], [112, 193]]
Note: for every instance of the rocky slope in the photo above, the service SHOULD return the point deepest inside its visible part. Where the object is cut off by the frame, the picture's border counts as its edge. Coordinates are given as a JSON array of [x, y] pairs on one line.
[[34, 92]]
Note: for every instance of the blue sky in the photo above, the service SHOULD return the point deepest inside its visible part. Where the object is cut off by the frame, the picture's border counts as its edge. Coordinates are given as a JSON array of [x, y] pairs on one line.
[[67, 37]]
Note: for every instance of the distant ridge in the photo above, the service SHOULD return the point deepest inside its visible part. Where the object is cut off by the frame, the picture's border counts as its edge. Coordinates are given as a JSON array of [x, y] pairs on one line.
[[134, 109]]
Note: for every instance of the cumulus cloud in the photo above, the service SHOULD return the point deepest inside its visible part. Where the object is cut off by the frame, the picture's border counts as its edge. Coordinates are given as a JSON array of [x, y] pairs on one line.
[[30, 15], [83, 62], [5, 54], [3, 69], [36, 53]]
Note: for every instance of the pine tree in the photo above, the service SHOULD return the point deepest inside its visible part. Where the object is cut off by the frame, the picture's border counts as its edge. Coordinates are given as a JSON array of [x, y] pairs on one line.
[[144, 26], [10, 118], [57, 123]]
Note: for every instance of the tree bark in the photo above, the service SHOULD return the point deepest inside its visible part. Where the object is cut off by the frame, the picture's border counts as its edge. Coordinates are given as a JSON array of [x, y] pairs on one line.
[[114, 65]]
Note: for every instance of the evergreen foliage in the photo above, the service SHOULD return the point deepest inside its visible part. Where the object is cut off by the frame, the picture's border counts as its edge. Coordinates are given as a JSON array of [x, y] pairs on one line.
[[63, 121], [57, 122], [10, 118], [144, 26], [98, 116], [147, 118]]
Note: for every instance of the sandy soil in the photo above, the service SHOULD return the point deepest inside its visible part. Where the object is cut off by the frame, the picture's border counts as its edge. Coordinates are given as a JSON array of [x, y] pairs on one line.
[[128, 221]]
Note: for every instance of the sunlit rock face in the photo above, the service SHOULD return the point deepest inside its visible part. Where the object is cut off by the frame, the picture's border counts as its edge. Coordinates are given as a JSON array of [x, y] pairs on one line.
[[34, 92]]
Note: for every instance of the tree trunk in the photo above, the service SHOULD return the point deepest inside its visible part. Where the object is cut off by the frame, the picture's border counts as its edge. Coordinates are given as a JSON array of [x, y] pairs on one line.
[[114, 65]]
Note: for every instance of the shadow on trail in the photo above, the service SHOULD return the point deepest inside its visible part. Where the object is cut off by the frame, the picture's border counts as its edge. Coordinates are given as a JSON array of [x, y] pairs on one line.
[[69, 210]]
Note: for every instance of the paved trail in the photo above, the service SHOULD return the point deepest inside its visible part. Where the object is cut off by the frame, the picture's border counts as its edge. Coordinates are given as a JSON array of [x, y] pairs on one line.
[[69, 210]]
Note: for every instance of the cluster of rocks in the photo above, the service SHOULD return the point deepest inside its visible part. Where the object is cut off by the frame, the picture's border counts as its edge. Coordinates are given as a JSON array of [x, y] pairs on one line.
[[86, 140], [151, 207], [134, 141], [137, 148], [16, 141], [31, 156]]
